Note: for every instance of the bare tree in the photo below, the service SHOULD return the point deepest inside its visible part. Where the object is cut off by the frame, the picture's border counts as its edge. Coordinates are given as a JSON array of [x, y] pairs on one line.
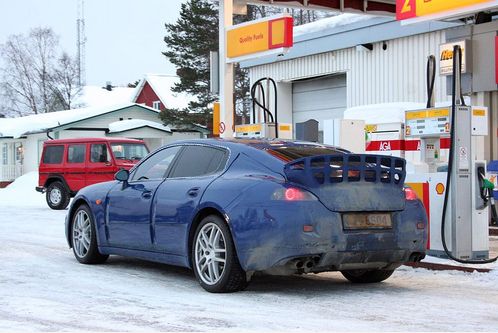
[[34, 79], [64, 82]]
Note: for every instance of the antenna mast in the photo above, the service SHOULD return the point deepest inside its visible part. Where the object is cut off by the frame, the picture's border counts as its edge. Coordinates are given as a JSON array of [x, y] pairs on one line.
[[80, 41]]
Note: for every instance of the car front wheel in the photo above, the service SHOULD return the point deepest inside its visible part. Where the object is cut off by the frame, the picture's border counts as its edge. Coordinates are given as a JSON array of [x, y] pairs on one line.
[[57, 196], [84, 239], [367, 276], [214, 258]]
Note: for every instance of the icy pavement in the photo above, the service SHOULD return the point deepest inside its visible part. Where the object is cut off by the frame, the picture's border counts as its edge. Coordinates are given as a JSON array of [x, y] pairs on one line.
[[43, 288]]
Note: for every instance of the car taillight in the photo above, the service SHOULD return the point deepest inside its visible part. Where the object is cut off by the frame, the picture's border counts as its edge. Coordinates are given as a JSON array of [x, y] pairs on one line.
[[293, 194], [410, 194]]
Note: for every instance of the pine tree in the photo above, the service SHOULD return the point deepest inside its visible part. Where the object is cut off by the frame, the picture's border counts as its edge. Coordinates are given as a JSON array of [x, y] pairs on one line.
[[189, 41]]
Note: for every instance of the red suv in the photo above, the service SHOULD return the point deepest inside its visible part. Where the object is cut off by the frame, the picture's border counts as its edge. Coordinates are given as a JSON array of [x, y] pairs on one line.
[[68, 165]]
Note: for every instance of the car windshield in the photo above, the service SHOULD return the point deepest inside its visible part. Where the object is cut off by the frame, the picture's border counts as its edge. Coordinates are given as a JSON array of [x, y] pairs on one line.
[[129, 151]]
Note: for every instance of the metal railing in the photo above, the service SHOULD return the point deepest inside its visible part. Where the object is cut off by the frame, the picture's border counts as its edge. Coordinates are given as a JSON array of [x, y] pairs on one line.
[[10, 172]]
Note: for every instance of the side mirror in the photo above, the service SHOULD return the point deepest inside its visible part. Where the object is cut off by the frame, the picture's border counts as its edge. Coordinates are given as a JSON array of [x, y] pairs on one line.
[[122, 175]]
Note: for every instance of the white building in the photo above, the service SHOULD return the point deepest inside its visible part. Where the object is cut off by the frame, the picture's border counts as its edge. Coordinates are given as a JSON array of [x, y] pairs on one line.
[[21, 139], [350, 60]]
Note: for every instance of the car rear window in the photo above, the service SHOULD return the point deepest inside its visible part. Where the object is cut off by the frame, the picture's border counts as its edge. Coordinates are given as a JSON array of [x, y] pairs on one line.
[[291, 153], [53, 154], [198, 161]]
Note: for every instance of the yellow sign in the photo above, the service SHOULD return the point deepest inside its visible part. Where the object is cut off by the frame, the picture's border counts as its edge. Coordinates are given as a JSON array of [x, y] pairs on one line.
[[407, 9], [216, 118], [479, 112], [248, 128], [439, 188], [253, 38], [430, 113], [425, 7]]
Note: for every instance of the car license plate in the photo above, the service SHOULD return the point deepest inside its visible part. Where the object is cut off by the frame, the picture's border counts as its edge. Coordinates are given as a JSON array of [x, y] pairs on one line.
[[353, 221]]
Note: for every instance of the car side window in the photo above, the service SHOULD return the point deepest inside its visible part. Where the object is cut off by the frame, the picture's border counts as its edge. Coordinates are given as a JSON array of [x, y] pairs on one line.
[[198, 161], [53, 154], [76, 153], [99, 153], [156, 166]]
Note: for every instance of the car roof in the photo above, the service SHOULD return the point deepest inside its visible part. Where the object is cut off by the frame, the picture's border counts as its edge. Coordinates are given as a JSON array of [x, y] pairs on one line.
[[90, 140], [260, 144]]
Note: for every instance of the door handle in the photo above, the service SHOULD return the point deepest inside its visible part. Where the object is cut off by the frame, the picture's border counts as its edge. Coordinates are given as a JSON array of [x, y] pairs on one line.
[[193, 191], [147, 194]]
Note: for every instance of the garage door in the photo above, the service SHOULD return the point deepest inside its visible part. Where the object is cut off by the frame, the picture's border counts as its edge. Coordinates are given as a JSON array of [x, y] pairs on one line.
[[321, 98]]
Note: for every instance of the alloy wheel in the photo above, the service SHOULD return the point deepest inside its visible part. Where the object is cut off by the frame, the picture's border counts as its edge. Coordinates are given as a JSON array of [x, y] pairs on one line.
[[210, 253], [82, 233]]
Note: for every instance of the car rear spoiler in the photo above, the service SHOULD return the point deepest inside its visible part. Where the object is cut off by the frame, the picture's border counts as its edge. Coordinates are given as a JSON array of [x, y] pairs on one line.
[[352, 182]]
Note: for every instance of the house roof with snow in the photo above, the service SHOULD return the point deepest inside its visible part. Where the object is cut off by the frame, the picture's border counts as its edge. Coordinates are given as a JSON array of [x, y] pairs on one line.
[[95, 96], [22, 126], [344, 31], [162, 85], [131, 124]]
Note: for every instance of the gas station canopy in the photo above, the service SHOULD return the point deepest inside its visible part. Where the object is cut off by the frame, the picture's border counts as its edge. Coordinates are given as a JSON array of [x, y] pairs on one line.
[[378, 7]]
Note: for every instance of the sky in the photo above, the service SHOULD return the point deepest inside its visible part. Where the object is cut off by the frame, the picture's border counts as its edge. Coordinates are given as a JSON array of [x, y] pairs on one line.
[[124, 37]]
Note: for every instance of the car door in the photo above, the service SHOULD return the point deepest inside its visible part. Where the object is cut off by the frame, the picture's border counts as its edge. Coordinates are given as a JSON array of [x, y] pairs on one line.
[[178, 196], [76, 166], [99, 167], [129, 205]]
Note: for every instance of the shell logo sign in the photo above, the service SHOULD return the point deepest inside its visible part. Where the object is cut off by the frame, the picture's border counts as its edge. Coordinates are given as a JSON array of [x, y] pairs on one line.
[[259, 38], [436, 9]]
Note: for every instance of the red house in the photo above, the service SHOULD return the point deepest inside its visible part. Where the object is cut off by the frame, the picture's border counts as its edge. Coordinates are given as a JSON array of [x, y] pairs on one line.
[[154, 90]]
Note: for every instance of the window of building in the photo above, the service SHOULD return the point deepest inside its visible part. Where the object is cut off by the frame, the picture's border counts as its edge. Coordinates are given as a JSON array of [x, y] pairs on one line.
[[198, 161], [156, 105], [5, 156], [76, 153]]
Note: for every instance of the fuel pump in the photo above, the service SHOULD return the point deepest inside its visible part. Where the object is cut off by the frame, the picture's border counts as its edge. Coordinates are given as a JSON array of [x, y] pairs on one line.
[[264, 121], [458, 191]]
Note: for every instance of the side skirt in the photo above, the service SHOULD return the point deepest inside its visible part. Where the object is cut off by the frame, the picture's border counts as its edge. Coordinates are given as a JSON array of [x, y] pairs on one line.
[[163, 258]]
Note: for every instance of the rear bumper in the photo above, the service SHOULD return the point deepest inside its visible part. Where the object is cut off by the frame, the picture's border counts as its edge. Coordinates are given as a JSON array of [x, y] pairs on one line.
[[40, 189], [274, 239]]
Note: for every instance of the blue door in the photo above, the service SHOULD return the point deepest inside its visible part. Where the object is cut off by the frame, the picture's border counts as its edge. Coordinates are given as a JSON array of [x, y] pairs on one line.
[[129, 205], [179, 195]]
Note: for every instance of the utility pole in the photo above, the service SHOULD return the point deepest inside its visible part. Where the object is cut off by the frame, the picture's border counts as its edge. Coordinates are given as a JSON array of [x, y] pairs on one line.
[[226, 70], [80, 41]]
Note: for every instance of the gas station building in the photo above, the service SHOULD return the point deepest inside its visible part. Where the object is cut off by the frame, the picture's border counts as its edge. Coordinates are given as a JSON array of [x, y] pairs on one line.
[[351, 60]]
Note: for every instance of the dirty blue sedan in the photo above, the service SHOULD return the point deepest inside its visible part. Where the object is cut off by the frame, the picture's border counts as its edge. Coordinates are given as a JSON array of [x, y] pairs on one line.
[[230, 208]]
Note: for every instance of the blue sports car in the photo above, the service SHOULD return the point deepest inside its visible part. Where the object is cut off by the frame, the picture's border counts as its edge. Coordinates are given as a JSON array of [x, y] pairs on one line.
[[229, 208]]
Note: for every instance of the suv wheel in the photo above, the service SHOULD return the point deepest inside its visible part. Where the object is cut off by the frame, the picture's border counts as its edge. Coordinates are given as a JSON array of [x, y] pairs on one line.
[[57, 196], [367, 276]]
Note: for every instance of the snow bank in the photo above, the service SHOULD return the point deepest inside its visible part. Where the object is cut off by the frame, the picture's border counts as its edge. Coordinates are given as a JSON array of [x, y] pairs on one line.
[[330, 23], [22, 193], [125, 125]]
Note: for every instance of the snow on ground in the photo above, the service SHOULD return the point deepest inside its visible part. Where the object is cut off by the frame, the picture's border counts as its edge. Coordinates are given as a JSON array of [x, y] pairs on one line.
[[43, 288]]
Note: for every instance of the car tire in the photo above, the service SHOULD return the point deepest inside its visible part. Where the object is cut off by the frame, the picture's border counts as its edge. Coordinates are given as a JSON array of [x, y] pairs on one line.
[[84, 238], [367, 276], [214, 258], [57, 196]]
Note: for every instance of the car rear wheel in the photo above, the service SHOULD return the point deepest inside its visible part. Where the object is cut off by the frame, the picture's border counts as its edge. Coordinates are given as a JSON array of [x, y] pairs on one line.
[[367, 276], [84, 238], [57, 196], [214, 258]]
